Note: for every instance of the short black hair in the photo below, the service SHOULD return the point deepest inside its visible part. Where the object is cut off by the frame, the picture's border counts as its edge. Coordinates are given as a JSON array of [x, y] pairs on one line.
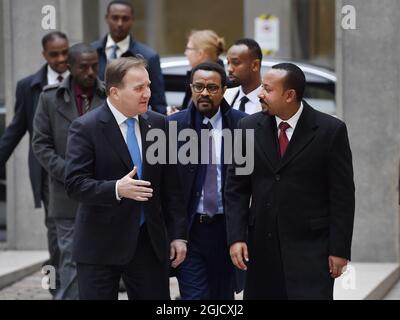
[[78, 49], [125, 3], [295, 78], [210, 66], [52, 36], [253, 46]]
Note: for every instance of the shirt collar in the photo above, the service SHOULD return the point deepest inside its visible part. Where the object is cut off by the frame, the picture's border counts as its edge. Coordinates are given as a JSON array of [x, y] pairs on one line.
[[293, 120], [53, 75], [123, 45], [215, 120], [79, 91], [253, 95], [119, 116]]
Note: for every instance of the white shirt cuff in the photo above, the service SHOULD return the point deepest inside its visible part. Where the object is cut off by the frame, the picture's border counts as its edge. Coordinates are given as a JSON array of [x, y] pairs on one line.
[[185, 241], [116, 191]]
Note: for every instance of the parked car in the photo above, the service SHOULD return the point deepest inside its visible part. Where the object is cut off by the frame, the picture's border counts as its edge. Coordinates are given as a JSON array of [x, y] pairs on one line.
[[320, 89]]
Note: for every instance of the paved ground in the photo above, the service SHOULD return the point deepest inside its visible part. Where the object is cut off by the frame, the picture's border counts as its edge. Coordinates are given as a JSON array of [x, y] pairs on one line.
[[394, 294], [30, 288]]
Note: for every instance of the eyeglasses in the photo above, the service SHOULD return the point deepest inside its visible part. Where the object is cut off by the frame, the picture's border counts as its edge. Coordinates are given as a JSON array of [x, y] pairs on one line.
[[198, 88]]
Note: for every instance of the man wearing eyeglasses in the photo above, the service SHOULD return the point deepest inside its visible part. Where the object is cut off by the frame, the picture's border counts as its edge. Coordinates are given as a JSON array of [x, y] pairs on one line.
[[207, 272]]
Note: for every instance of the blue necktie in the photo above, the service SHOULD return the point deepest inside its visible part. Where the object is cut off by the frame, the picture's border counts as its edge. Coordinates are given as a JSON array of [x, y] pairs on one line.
[[210, 183], [113, 55], [133, 147]]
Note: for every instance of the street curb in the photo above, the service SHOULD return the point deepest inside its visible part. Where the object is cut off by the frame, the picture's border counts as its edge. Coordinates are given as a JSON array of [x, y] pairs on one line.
[[10, 275], [383, 288]]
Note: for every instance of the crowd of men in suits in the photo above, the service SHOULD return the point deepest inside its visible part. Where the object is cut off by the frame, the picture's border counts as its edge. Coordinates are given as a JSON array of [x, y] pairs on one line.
[[281, 231]]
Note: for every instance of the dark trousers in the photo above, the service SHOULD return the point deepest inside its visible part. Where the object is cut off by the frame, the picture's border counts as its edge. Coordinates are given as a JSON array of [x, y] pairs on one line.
[[145, 276], [207, 273], [52, 245]]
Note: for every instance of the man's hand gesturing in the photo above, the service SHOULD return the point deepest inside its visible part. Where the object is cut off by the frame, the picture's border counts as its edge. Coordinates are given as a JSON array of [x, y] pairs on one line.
[[130, 188]]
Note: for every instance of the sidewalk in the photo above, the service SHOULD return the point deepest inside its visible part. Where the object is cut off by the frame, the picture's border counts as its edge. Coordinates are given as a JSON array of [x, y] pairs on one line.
[[20, 278], [15, 265]]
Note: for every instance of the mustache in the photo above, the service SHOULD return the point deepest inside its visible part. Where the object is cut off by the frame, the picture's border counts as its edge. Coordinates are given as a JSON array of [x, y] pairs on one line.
[[262, 101], [204, 100]]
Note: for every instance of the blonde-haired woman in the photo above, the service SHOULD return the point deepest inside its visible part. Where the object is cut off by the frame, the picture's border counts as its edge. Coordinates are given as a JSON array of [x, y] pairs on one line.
[[202, 46]]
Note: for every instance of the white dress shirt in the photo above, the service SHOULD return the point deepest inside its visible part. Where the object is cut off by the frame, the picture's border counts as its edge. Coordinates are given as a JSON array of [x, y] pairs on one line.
[[120, 118], [216, 132], [52, 75], [292, 122], [123, 46], [252, 106]]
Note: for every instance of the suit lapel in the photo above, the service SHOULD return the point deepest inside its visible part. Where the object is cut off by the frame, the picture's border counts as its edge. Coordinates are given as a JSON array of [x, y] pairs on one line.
[[265, 137], [114, 137], [303, 134], [99, 95], [67, 106]]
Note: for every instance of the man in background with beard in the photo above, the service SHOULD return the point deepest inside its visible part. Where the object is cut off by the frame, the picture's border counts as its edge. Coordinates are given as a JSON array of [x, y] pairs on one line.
[[58, 106]]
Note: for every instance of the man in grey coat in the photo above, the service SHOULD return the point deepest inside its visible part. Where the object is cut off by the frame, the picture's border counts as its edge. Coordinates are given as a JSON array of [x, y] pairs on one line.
[[58, 106]]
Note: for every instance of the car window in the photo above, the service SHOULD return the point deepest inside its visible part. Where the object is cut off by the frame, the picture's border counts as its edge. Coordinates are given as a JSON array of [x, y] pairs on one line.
[[320, 89]]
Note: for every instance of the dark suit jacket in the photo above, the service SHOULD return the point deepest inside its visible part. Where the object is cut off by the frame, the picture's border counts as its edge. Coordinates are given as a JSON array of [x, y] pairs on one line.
[[157, 100], [27, 96], [191, 119], [55, 112], [306, 199], [106, 230], [188, 173]]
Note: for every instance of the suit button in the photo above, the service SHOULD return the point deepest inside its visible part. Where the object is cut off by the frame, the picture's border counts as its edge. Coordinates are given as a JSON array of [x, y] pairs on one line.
[[269, 235], [268, 205], [278, 177]]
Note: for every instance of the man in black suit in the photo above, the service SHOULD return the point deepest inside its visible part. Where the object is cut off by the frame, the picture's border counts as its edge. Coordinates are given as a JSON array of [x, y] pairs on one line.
[[55, 52], [296, 237], [207, 272], [119, 43], [130, 222]]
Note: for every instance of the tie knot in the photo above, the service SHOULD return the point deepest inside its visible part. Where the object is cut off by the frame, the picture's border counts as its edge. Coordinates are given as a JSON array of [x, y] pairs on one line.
[[60, 78], [207, 126], [114, 51], [283, 126], [130, 122], [244, 99]]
